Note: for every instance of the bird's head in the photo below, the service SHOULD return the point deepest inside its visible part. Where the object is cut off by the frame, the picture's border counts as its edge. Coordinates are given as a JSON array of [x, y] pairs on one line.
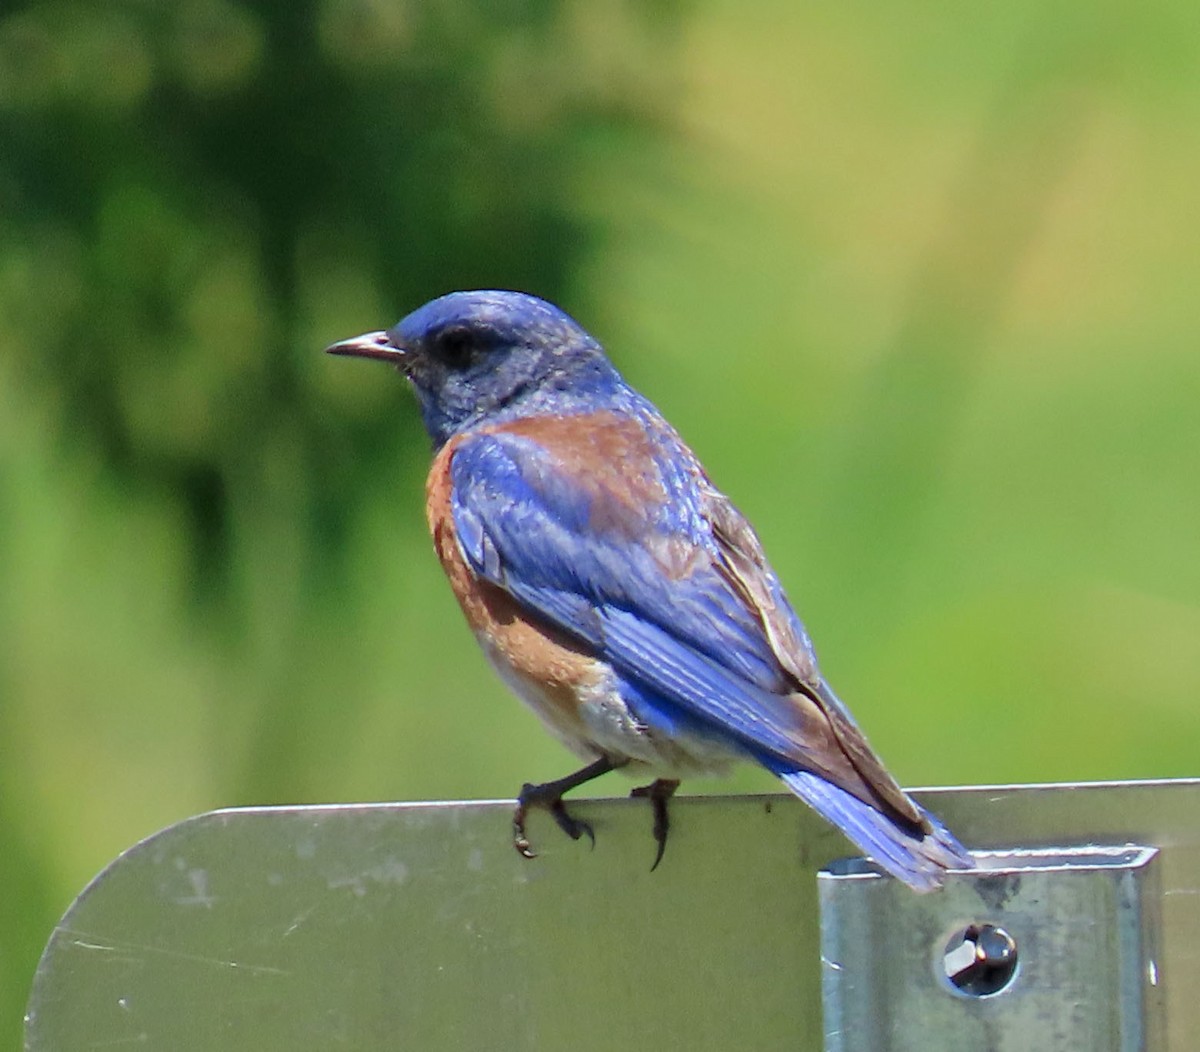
[[475, 357]]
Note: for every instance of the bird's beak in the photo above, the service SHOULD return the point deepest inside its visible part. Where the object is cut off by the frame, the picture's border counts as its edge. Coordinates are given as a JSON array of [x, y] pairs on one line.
[[370, 345]]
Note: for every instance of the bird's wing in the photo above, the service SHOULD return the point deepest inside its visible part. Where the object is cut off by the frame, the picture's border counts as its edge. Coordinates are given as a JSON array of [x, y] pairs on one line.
[[638, 557], [744, 564]]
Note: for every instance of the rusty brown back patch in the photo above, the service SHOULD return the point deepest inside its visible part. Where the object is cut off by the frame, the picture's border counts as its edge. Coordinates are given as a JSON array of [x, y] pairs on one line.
[[610, 457]]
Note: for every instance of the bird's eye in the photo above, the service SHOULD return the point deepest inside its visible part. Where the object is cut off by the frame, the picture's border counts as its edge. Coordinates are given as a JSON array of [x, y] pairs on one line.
[[456, 347]]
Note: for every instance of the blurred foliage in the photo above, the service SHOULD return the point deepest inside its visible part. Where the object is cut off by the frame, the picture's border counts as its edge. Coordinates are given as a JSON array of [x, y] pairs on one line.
[[195, 197], [917, 281]]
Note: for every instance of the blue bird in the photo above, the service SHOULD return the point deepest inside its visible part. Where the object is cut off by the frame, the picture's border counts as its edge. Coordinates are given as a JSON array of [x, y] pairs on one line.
[[616, 590]]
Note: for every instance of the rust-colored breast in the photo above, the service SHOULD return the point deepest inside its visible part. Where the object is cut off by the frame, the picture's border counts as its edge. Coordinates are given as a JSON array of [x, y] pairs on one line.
[[542, 664]]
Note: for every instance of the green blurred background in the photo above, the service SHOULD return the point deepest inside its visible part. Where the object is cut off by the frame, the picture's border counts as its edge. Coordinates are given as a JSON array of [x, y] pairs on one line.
[[918, 281]]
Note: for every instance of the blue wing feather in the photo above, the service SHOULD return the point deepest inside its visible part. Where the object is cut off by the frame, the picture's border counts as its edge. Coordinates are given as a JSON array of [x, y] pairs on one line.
[[693, 681], [920, 860]]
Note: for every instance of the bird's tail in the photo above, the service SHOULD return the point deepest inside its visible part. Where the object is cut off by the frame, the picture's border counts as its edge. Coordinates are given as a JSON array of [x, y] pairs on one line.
[[918, 858]]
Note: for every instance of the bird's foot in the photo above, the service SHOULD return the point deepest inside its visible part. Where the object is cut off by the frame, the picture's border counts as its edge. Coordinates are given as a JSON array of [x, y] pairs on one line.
[[549, 795], [536, 796], [659, 792]]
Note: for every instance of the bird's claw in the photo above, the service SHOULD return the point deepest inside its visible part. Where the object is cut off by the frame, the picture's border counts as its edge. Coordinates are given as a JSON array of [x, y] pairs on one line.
[[549, 797], [520, 839], [658, 793], [573, 827]]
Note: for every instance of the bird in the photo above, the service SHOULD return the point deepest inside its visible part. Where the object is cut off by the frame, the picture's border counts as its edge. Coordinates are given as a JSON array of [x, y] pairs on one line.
[[617, 591]]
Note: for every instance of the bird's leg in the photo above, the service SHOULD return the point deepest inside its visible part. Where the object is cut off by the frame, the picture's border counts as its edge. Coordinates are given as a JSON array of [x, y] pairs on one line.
[[659, 792], [549, 795]]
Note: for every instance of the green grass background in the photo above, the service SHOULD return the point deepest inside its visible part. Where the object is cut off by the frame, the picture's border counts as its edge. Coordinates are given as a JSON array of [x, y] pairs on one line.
[[918, 281]]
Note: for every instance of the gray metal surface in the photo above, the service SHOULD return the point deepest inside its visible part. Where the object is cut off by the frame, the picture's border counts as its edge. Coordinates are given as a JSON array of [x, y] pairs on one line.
[[1074, 963], [417, 926]]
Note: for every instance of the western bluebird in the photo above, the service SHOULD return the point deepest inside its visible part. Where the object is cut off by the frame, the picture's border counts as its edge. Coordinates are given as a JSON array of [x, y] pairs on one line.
[[615, 589]]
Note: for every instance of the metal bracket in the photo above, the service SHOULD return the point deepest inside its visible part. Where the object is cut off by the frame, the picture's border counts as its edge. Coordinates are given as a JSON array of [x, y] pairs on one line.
[[1054, 949]]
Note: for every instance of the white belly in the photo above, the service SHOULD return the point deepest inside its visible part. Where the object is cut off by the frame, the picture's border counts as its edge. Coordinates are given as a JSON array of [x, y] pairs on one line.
[[596, 721]]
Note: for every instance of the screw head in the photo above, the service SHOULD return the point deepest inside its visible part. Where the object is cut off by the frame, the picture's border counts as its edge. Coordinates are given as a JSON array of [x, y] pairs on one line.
[[980, 960]]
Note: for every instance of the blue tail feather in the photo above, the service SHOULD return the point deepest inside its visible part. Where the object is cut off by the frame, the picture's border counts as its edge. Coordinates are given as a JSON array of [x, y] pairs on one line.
[[919, 859]]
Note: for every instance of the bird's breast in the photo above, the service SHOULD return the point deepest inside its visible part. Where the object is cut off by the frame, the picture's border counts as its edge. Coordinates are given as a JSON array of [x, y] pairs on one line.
[[542, 664]]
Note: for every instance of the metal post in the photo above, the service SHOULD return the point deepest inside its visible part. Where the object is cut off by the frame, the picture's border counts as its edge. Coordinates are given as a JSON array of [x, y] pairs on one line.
[[1034, 950]]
